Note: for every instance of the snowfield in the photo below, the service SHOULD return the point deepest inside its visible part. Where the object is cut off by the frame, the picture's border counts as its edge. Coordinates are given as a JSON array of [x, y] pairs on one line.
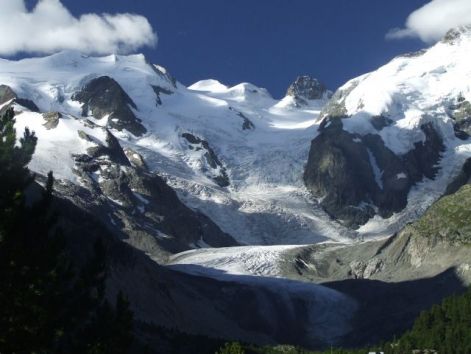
[[266, 202], [262, 143]]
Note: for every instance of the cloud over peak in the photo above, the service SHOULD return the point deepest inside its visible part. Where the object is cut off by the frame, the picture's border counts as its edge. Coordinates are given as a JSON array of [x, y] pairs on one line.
[[433, 20], [50, 27]]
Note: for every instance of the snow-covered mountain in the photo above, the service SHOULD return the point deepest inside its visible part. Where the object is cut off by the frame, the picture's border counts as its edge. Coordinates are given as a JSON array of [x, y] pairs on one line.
[[238, 155], [234, 153], [120, 133], [393, 138], [176, 170]]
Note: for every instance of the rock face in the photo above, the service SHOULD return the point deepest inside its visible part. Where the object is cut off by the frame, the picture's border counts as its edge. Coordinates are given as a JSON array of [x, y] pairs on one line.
[[103, 97], [137, 204], [357, 175], [159, 91], [52, 119], [247, 123], [460, 112], [7, 94], [210, 163], [453, 35], [305, 89]]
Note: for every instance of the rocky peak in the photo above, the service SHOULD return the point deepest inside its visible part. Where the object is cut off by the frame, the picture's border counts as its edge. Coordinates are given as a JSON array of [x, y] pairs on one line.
[[104, 97], [306, 88], [7, 94], [456, 33], [357, 176]]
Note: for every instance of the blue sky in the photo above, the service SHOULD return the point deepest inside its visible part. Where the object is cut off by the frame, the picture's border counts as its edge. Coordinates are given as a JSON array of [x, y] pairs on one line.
[[267, 42]]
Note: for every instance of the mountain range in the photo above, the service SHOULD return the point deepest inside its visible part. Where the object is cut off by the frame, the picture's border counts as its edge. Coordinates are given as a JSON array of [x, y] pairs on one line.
[[320, 218]]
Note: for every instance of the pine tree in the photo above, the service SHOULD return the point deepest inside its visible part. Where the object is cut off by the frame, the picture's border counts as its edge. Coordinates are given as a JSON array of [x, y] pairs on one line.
[[46, 305]]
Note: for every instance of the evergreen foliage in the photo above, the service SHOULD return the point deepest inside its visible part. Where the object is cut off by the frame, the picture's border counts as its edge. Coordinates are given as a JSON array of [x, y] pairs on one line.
[[232, 348], [445, 328], [46, 304]]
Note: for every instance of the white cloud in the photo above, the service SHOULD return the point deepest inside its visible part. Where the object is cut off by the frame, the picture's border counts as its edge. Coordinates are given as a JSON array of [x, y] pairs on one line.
[[50, 28], [431, 22]]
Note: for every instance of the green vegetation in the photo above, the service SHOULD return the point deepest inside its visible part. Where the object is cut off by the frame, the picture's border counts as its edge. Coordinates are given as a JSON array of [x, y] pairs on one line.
[[48, 305], [232, 348], [449, 218]]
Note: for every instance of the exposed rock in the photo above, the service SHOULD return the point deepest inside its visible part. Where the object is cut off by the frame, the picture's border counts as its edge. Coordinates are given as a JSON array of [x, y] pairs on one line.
[[423, 159], [212, 166], [338, 170], [354, 175], [455, 33], [335, 108], [365, 269], [461, 114], [247, 123], [89, 124], [160, 90], [306, 88], [103, 97], [7, 94], [85, 136], [27, 104], [115, 151], [139, 204], [380, 122], [135, 159], [464, 177], [415, 54], [163, 73], [52, 119]]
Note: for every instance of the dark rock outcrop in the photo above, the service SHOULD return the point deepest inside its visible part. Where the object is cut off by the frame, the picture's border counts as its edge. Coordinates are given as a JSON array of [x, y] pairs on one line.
[[102, 97], [460, 112], [358, 176], [464, 177], [27, 104], [247, 123], [159, 91], [335, 108], [306, 88], [137, 204], [7, 94], [136, 159], [455, 34], [218, 173], [164, 74]]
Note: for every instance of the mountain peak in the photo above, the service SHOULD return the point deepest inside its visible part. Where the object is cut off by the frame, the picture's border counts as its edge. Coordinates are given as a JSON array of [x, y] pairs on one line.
[[306, 88], [457, 33], [209, 85]]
